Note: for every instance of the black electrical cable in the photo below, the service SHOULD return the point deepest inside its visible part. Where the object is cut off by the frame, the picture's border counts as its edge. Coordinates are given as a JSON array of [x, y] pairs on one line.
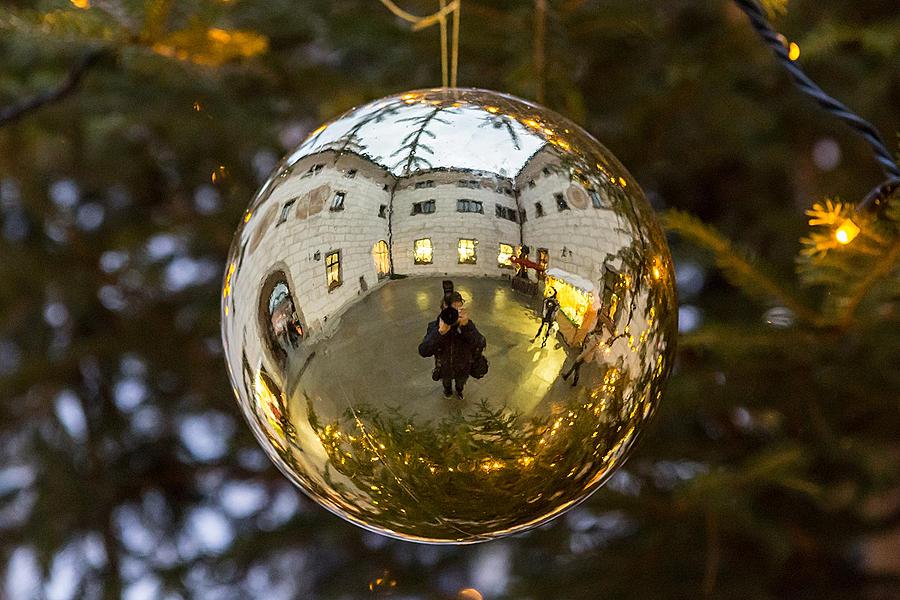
[[761, 24]]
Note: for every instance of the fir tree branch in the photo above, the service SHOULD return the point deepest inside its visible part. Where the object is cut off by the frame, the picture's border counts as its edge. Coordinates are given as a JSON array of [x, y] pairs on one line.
[[17, 110], [880, 269], [737, 268]]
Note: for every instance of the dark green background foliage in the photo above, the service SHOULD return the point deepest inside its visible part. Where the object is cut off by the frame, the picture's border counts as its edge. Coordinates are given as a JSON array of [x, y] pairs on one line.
[[769, 472]]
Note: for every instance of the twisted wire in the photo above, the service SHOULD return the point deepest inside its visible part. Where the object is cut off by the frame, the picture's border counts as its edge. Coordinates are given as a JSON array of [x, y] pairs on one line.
[[761, 24]]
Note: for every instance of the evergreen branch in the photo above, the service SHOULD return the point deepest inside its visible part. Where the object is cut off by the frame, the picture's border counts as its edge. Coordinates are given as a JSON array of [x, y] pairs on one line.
[[880, 269], [17, 110], [738, 269]]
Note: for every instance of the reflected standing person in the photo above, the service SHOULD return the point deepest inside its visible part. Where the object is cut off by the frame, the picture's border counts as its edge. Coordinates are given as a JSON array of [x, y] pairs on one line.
[[548, 317], [452, 339], [588, 353]]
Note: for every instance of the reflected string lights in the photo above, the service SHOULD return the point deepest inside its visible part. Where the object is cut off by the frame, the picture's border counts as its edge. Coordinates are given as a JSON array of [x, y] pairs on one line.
[[448, 314]]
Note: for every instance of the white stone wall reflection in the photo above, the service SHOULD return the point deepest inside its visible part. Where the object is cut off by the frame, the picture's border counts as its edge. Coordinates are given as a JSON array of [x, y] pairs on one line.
[[324, 307]]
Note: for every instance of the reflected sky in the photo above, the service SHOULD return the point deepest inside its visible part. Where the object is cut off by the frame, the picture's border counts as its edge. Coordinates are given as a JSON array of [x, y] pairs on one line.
[[468, 141]]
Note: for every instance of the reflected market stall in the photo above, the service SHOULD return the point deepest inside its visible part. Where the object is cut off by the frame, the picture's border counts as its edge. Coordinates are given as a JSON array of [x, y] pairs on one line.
[[579, 303]]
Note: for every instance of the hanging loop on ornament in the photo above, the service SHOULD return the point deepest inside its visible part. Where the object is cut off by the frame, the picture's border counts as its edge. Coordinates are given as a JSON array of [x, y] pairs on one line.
[[449, 49]]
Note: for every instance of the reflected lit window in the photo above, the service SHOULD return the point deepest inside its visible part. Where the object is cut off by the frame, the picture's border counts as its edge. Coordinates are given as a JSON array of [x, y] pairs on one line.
[[425, 207], [350, 174], [538, 209], [543, 259], [382, 211], [561, 204], [466, 251], [423, 251], [469, 206], [337, 203], [284, 211], [333, 269], [504, 255]]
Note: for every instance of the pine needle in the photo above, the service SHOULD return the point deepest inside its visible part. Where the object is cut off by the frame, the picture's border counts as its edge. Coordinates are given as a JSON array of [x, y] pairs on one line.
[[738, 268]]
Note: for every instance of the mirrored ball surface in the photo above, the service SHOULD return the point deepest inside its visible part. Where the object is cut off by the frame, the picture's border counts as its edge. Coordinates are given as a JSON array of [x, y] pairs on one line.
[[408, 245]]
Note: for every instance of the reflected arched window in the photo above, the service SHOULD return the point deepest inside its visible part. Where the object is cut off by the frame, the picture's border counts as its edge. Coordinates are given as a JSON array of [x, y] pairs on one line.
[[279, 317], [382, 258]]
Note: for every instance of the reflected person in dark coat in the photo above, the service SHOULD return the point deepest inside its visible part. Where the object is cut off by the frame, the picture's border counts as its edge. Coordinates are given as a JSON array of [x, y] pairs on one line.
[[451, 339]]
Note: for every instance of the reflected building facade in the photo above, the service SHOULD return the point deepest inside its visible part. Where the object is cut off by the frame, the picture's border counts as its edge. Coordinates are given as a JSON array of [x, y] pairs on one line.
[[337, 268]]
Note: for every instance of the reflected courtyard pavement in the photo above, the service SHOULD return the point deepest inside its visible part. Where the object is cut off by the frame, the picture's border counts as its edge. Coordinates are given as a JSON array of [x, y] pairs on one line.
[[522, 374]]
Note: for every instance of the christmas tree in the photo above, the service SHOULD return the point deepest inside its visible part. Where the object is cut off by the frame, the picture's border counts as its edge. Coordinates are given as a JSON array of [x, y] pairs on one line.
[[133, 134]]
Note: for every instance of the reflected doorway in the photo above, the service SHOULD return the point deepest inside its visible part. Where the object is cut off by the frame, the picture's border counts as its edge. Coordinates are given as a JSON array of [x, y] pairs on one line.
[[382, 258]]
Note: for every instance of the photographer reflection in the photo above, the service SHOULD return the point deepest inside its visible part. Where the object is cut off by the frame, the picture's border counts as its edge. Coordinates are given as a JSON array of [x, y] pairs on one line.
[[454, 341]]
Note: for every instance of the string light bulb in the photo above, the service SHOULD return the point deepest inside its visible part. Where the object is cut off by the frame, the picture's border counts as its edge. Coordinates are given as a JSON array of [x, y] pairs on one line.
[[847, 232]]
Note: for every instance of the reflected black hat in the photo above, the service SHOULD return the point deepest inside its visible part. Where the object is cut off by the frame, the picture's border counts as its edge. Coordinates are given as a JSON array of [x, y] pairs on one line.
[[449, 315]]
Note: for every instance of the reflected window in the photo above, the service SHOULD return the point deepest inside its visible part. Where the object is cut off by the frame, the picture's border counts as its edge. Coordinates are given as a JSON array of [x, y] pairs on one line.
[[543, 260], [538, 209], [466, 251], [382, 211], [561, 203], [504, 255], [284, 211], [531, 183], [472, 184], [424, 184], [337, 203], [333, 269], [314, 170], [425, 207], [285, 323], [351, 174], [507, 213], [469, 206], [382, 258], [423, 251]]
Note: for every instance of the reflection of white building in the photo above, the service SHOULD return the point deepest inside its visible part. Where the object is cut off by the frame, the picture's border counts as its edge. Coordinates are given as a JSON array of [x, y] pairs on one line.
[[334, 225]]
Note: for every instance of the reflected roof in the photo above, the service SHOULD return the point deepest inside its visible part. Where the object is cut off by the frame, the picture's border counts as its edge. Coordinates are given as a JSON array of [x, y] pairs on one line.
[[471, 137]]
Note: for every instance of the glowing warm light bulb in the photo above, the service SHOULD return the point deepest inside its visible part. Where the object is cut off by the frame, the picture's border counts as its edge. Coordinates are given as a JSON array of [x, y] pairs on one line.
[[83, 4], [219, 174], [847, 232], [469, 594], [793, 51]]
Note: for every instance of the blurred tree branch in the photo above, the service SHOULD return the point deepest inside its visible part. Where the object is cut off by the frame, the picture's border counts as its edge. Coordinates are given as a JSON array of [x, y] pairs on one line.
[[69, 84]]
